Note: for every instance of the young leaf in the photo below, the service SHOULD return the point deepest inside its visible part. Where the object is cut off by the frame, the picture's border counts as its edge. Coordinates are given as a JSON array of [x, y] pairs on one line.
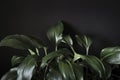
[[11, 75], [84, 41], [67, 39], [16, 60], [111, 55], [55, 33], [21, 42], [25, 70], [95, 64]]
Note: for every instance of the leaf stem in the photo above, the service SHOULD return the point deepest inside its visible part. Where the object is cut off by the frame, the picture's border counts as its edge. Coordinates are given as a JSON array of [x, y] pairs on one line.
[[73, 49], [45, 72], [56, 47], [45, 50], [87, 50], [37, 51]]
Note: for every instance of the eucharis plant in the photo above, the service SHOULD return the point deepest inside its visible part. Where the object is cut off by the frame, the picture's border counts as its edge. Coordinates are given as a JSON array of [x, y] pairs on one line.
[[63, 63]]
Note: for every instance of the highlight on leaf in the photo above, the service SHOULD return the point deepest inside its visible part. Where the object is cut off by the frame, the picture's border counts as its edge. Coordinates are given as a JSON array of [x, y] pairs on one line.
[[63, 63]]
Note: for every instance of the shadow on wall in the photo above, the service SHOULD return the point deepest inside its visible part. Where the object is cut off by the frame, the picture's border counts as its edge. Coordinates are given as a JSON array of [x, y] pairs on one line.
[[99, 42]]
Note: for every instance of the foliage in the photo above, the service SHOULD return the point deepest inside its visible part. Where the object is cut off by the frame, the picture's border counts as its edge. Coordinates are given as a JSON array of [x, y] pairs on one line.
[[61, 63]]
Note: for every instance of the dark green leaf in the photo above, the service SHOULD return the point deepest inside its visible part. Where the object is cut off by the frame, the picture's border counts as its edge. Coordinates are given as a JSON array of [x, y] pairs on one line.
[[78, 70], [66, 70], [21, 42], [67, 39], [53, 55], [16, 60], [55, 33], [54, 75], [25, 70], [11, 75], [111, 55], [95, 64], [108, 70]]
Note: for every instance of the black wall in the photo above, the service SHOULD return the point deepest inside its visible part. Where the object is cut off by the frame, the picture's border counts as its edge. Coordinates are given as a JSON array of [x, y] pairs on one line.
[[98, 19]]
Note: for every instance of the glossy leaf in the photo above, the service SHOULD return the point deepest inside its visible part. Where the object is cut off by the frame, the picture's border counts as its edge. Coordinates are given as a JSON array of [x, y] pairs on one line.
[[78, 70], [16, 60], [21, 42], [55, 33], [53, 55], [95, 64], [67, 39], [111, 55], [25, 70], [11, 75], [66, 70]]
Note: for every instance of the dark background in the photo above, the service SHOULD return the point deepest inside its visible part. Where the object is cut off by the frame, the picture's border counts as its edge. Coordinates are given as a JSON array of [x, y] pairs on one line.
[[98, 19]]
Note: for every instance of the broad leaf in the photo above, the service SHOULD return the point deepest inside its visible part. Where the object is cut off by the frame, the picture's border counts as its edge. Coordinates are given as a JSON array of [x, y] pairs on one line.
[[78, 70], [53, 55], [67, 39], [25, 70], [21, 42], [66, 70], [95, 64], [11, 75], [55, 33], [16, 60], [111, 55]]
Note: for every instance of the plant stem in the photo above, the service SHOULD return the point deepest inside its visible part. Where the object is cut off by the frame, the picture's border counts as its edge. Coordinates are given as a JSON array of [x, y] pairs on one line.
[[73, 49], [45, 50], [45, 72], [87, 50], [37, 51], [56, 47]]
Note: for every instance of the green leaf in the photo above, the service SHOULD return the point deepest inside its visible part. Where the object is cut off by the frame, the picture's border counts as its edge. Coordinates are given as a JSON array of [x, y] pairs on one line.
[[55, 33], [11, 75], [53, 55], [78, 70], [16, 60], [95, 64], [25, 70], [54, 75], [111, 55], [21, 42], [66, 70], [67, 39], [108, 70], [84, 41]]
